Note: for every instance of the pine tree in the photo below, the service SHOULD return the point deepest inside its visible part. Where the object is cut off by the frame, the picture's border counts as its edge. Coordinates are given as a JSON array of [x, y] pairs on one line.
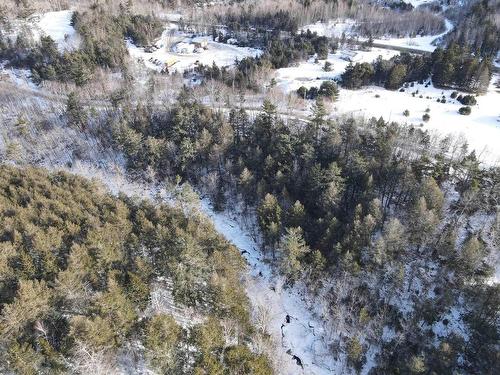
[[24, 359], [293, 249], [318, 119], [33, 302], [296, 215], [396, 77], [433, 195], [75, 112], [471, 256], [355, 355], [162, 339], [423, 223], [269, 216]]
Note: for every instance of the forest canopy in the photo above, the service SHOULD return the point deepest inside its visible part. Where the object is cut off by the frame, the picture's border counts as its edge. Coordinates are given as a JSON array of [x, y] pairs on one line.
[[77, 269]]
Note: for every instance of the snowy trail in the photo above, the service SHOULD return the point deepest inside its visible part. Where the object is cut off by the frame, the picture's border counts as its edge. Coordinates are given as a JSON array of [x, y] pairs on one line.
[[306, 335]]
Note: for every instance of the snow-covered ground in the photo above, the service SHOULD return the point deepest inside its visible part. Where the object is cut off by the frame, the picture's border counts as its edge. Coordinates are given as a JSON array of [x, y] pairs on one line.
[[58, 26], [335, 28], [417, 3], [332, 28], [173, 41], [481, 128], [306, 335], [21, 77], [311, 74]]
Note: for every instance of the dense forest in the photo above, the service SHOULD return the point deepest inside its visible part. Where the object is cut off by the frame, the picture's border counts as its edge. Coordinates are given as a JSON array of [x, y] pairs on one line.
[[386, 235], [77, 271], [478, 28], [335, 198]]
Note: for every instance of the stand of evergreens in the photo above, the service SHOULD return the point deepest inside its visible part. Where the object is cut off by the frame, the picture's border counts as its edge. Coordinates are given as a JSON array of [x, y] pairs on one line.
[[453, 67], [77, 268]]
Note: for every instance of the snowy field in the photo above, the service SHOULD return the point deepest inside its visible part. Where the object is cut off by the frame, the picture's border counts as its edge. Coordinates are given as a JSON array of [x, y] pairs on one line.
[[57, 25], [423, 43], [481, 128], [310, 73]]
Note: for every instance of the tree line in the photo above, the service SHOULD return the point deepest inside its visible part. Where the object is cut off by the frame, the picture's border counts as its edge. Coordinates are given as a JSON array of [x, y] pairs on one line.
[[452, 67]]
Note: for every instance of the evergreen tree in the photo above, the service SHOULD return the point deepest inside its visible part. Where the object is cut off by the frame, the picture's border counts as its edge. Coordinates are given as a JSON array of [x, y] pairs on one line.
[[269, 215], [293, 250], [396, 77], [162, 339], [318, 119], [75, 112]]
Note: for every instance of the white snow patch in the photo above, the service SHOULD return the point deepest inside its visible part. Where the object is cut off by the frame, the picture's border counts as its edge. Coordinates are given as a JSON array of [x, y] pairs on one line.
[[57, 25], [417, 3], [20, 77], [451, 323], [332, 28], [388, 334]]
